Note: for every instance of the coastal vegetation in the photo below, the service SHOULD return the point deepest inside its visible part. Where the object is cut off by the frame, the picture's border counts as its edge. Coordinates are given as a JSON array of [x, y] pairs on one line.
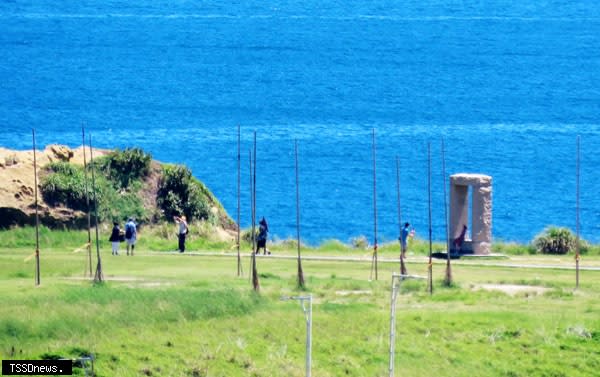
[[128, 183]]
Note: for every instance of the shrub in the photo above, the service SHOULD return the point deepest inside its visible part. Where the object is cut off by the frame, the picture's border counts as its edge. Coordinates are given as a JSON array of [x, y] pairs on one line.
[[124, 167], [246, 234], [555, 240], [359, 242], [180, 193], [64, 184], [117, 205]]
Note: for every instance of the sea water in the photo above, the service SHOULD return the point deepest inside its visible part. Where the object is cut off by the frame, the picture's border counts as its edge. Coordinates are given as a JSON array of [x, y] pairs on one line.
[[508, 86]]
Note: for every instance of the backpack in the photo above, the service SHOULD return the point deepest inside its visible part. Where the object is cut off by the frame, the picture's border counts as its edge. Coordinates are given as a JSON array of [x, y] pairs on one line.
[[128, 231]]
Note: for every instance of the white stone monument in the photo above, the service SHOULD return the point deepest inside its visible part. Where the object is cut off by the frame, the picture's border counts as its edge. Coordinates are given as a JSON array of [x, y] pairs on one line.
[[480, 228]]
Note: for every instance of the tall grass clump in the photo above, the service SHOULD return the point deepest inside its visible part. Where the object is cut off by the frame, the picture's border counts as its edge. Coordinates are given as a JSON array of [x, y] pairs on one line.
[[125, 167], [64, 183], [555, 240]]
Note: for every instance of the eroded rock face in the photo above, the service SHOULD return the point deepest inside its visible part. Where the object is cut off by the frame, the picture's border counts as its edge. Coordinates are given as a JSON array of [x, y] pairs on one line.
[[59, 153], [52, 218], [9, 160], [17, 188]]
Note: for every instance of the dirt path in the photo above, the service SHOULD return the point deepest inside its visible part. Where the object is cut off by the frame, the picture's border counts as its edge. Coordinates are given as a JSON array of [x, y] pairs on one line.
[[510, 262]]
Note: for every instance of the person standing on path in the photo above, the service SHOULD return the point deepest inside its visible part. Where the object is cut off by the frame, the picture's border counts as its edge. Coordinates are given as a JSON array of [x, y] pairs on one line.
[[130, 235], [404, 239], [261, 240], [115, 238], [182, 231]]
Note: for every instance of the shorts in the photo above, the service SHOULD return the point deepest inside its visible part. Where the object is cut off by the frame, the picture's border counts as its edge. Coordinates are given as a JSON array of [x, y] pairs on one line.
[[130, 241]]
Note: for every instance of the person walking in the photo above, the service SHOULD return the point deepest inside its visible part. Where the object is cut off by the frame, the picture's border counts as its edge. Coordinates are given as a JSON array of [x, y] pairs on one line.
[[115, 238], [261, 240], [182, 231], [404, 238], [130, 235]]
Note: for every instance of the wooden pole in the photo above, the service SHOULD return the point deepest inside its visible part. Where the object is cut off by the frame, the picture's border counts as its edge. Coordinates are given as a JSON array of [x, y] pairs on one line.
[[399, 210], [99, 276], [577, 241], [87, 203], [37, 217], [255, 281], [252, 234], [239, 184], [300, 272], [374, 258], [448, 278], [430, 265]]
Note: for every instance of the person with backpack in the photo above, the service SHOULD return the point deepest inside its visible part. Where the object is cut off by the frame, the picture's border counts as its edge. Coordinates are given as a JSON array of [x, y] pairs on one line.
[[130, 235], [182, 231]]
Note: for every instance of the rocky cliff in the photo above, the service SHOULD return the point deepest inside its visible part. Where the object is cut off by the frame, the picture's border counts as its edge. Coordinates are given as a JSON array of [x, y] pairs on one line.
[[17, 200], [17, 193]]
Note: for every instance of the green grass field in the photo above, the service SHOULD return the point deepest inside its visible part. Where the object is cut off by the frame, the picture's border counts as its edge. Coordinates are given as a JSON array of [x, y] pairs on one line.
[[165, 314]]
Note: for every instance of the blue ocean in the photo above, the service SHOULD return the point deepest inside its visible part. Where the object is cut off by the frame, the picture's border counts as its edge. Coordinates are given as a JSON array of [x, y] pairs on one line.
[[508, 85]]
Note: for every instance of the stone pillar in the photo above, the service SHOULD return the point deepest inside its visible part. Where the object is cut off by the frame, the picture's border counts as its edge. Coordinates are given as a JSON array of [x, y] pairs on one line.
[[481, 233], [481, 216]]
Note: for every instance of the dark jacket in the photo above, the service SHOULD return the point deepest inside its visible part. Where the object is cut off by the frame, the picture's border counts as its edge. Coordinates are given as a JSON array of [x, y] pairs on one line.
[[262, 233], [114, 237]]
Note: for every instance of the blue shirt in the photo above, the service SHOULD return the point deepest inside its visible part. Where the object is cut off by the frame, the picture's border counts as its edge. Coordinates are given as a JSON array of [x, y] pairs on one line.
[[404, 236], [130, 226]]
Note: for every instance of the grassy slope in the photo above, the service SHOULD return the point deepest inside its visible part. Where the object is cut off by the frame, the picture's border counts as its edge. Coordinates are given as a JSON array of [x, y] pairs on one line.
[[179, 315]]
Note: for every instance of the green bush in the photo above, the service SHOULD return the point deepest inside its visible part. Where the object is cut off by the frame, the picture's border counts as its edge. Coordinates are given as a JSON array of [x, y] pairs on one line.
[[555, 240], [114, 205], [180, 193], [65, 184], [359, 242], [125, 167]]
